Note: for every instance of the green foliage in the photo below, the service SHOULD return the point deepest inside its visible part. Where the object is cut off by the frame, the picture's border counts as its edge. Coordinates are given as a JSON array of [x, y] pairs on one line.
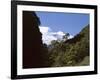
[[70, 52]]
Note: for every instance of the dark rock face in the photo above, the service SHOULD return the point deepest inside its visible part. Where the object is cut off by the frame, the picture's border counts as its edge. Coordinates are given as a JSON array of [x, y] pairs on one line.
[[32, 41]]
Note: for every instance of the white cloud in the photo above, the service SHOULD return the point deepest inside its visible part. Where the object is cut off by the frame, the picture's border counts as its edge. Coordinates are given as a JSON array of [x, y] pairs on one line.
[[44, 30], [70, 37], [48, 35]]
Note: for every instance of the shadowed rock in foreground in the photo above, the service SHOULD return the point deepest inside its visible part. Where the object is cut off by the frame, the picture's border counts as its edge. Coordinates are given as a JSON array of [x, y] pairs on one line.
[[32, 41]]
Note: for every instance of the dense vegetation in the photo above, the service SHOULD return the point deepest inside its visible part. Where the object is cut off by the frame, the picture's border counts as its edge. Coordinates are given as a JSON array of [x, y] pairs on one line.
[[69, 52]]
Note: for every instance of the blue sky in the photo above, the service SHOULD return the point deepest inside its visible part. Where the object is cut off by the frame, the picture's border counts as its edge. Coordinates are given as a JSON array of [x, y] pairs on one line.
[[72, 23], [66, 22]]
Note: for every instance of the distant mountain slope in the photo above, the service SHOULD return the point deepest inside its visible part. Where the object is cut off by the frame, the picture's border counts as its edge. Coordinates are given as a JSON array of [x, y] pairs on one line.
[[72, 51]]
